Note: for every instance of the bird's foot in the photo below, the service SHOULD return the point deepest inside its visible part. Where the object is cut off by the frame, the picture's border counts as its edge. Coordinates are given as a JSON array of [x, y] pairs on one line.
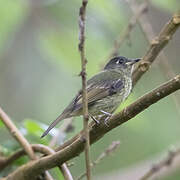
[[107, 118], [106, 113], [95, 120]]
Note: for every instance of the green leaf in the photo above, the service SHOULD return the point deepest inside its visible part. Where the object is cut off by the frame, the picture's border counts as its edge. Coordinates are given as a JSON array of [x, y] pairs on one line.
[[33, 127], [11, 14], [1, 123], [34, 131], [171, 5]]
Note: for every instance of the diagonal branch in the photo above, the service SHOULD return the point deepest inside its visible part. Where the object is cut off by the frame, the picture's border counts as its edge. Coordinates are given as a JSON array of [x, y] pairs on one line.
[[111, 148], [149, 33], [32, 169], [64, 169], [17, 135], [157, 44], [20, 138], [45, 150], [126, 33], [75, 146], [151, 54], [160, 165]]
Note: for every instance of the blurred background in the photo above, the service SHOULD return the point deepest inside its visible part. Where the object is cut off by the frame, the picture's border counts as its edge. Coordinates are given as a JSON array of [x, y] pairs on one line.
[[39, 67]]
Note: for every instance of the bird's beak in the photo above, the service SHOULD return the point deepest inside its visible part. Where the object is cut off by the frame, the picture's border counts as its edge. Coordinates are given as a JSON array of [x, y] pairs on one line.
[[133, 61], [136, 60]]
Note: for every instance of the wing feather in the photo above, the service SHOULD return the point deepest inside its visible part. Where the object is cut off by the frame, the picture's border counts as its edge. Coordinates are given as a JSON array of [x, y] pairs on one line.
[[97, 89], [95, 93]]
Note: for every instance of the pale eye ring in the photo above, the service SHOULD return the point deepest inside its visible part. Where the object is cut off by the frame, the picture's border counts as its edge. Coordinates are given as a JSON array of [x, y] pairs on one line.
[[120, 61]]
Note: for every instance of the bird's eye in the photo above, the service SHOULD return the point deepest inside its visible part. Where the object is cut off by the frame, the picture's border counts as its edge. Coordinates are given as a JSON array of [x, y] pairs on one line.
[[119, 61]]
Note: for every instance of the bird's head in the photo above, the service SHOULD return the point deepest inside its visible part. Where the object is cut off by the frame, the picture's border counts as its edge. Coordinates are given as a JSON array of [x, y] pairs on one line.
[[122, 64]]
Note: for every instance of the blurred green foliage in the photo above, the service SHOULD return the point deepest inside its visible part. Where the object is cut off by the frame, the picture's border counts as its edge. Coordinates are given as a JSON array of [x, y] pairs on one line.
[[11, 14], [172, 5], [1, 123], [39, 69]]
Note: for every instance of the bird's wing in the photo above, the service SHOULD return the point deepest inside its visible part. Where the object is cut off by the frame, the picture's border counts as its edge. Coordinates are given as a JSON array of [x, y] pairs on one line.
[[98, 89], [96, 92]]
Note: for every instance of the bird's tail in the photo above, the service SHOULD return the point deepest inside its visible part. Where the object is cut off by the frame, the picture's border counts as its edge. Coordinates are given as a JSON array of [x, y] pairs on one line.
[[59, 118]]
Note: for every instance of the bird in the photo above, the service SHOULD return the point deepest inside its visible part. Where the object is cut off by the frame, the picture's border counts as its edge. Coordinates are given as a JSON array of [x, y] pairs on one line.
[[105, 92]]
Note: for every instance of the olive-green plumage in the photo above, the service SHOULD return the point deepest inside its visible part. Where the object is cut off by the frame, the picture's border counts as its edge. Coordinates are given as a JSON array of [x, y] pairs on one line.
[[105, 91]]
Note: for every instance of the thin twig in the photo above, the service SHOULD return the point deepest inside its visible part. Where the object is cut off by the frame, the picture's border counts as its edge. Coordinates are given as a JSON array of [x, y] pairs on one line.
[[32, 169], [45, 150], [75, 146], [157, 44], [126, 32], [168, 30], [150, 34], [66, 172], [81, 46], [5, 161], [132, 22], [63, 129], [48, 151], [160, 165], [112, 148], [17, 135], [20, 138]]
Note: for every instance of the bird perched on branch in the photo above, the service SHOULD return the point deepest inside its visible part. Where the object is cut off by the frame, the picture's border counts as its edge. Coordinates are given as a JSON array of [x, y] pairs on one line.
[[105, 91]]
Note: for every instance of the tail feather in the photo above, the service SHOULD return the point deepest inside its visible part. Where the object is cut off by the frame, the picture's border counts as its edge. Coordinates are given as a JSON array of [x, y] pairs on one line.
[[61, 117]]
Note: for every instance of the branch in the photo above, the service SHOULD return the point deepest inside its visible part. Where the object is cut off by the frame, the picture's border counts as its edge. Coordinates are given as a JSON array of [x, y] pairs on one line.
[[163, 163], [17, 134], [75, 146], [40, 148], [63, 129], [151, 54], [126, 32], [149, 34], [20, 138], [32, 169], [82, 18], [66, 172], [5, 161], [113, 147], [157, 44], [132, 22]]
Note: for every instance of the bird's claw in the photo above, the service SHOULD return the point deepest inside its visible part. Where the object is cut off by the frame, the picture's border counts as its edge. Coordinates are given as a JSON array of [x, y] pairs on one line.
[[107, 118], [106, 121], [95, 120]]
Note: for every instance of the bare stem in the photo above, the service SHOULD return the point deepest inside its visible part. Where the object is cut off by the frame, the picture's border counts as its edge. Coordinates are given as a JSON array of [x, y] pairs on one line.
[[64, 169], [149, 34], [157, 45], [168, 30], [17, 134], [160, 165], [20, 138], [75, 147], [82, 18], [113, 147], [126, 33]]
